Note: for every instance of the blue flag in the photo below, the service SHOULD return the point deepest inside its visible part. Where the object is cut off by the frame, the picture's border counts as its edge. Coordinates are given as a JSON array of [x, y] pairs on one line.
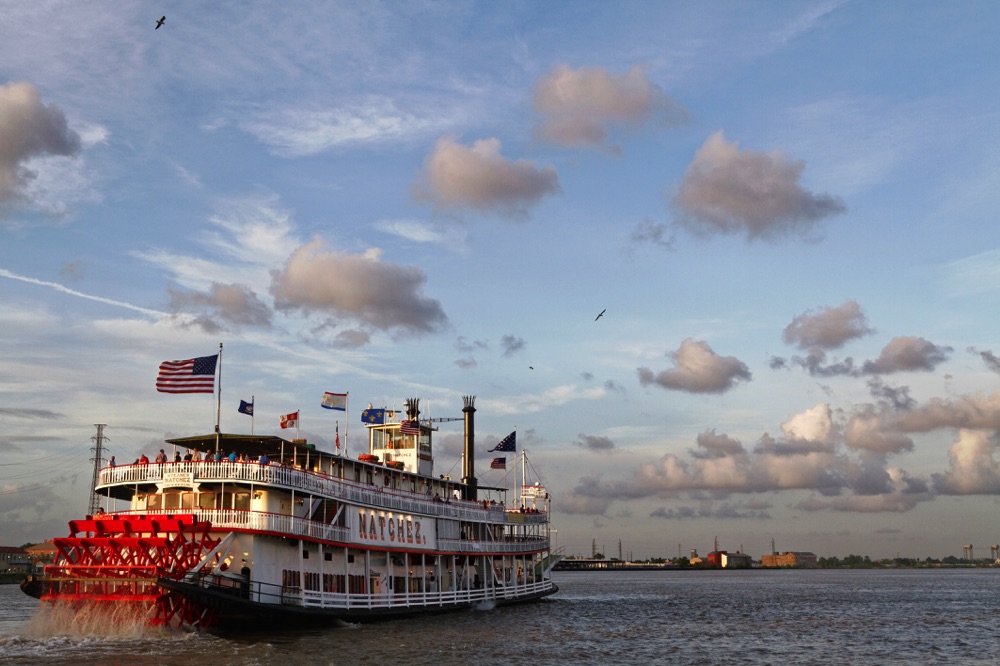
[[246, 408], [373, 416], [508, 443]]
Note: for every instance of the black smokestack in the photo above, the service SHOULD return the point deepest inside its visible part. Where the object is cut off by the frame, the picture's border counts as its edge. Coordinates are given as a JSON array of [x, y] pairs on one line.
[[469, 459]]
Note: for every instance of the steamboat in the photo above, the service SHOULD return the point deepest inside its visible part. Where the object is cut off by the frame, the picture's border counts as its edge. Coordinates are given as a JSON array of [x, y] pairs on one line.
[[276, 532]]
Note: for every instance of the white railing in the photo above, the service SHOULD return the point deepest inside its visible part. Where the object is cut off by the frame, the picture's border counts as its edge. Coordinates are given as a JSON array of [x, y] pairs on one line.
[[339, 600], [274, 523], [290, 478]]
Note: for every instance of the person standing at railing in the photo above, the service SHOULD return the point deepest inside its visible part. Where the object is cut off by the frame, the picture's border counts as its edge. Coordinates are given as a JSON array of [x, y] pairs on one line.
[[245, 584], [112, 463]]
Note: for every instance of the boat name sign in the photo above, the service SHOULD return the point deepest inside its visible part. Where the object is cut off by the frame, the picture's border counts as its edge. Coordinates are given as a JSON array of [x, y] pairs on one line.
[[389, 528], [175, 479]]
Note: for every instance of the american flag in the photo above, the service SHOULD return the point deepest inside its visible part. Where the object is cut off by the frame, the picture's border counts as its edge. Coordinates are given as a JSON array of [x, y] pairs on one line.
[[194, 375], [508, 443], [499, 463], [409, 427]]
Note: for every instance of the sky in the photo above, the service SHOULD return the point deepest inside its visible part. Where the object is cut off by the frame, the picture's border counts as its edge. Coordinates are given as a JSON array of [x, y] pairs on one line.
[[785, 212]]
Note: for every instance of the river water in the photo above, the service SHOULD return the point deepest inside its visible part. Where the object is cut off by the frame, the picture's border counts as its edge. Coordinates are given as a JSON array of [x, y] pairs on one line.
[[745, 618]]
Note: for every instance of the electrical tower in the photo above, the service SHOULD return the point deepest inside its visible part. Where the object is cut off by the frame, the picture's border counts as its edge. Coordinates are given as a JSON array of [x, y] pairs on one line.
[[98, 439]]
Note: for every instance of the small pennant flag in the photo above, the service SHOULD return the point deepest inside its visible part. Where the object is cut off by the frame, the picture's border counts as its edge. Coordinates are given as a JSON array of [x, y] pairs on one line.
[[335, 401], [290, 420], [499, 463]]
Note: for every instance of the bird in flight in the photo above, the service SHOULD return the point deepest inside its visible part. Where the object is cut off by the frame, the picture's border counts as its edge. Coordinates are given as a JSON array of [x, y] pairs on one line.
[[600, 315], [160, 22], [531, 367]]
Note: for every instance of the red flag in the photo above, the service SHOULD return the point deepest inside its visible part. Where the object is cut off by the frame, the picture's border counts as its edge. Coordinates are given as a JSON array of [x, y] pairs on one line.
[[338, 437], [290, 420]]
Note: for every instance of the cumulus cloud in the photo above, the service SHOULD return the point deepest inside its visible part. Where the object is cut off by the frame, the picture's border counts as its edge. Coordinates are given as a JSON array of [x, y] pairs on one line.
[[580, 107], [725, 190], [871, 430], [480, 178], [362, 288], [907, 353], [813, 425], [989, 358], [511, 345], [830, 328], [232, 303], [29, 129], [974, 466], [594, 442], [351, 339], [841, 460], [698, 369]]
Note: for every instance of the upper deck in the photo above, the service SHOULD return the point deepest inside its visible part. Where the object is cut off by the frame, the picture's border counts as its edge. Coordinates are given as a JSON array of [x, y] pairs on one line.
[[123, 481]]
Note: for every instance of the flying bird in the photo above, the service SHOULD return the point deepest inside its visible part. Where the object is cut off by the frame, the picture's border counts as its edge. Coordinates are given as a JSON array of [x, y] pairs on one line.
[[531, 367], [160, 22], [600, 315]]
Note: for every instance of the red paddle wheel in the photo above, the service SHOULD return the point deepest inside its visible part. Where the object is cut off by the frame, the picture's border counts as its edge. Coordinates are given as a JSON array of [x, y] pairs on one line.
[[115, 561]]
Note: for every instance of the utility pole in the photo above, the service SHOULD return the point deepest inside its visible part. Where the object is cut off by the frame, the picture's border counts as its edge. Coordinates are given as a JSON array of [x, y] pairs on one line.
[[98, 439]]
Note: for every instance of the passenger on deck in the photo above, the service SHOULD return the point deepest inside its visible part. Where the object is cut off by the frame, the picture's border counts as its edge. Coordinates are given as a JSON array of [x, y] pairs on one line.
[[161, 457], [188, 457], [112, 463], [143, 460], [177, 456], [232, 456], [264, 460]]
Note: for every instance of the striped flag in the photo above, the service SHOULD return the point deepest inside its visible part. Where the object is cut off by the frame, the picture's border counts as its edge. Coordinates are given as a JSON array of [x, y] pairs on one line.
[[508, 443], [499, 463], [334, 401], [409, 427], [194, 375]]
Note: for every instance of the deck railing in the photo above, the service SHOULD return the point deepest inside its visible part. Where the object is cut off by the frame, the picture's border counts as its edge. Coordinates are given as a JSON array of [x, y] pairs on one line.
[[308, 482], [266, 593], [283, 524]]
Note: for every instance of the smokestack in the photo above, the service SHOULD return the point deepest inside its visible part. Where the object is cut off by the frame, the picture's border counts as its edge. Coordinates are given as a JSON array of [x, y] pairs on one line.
[[469, 459]]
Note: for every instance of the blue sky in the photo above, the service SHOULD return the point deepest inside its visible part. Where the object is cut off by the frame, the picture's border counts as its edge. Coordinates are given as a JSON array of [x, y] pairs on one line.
[[786, 210]]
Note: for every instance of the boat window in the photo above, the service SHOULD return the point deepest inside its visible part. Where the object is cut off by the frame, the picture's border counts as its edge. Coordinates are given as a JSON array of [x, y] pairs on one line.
[[154, 502], [187, 500], [171, 500], [380, 438], [206, 500], [241, 501], [371, 479]]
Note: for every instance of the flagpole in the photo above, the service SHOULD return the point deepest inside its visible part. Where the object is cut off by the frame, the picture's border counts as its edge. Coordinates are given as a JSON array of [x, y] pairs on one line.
[[252, 399], [218, 409], [347, 420]]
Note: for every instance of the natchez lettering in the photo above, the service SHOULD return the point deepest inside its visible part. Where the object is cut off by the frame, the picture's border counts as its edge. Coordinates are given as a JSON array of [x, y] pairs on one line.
[[396, 529]]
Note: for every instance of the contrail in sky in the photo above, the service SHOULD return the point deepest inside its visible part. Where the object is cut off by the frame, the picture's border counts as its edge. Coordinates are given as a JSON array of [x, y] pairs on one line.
[[72, 292]]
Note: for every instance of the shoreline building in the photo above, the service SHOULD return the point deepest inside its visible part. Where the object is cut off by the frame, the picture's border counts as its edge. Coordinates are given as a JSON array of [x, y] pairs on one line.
[[789, 559]]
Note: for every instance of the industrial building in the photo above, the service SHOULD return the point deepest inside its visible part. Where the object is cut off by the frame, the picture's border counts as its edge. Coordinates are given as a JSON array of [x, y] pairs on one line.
[[789, 559]]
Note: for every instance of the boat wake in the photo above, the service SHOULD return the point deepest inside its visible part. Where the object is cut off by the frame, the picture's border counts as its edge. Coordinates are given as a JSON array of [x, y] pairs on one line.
[[483, 606], [79, 619]]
